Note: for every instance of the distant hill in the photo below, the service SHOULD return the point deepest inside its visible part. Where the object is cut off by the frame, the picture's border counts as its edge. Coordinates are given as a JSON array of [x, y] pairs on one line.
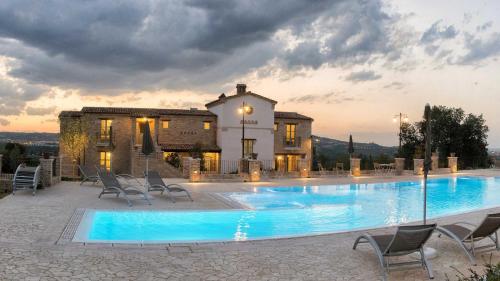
[[28, 137], [337, 147]]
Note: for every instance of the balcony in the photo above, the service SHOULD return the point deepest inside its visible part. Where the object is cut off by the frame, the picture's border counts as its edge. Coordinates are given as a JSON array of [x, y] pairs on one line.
[[104, 140], [292, 142]]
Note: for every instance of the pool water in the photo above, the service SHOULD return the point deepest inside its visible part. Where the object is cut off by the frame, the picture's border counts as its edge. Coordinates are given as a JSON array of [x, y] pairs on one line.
[[275, 212]]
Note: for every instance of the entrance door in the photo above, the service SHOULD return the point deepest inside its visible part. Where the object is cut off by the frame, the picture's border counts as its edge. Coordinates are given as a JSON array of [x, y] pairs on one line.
[[292, 163]]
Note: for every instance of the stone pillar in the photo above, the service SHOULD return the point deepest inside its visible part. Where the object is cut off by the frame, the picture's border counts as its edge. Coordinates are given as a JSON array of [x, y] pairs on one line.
[[435, 162], [1, 163], [254, 170], [243, 166], [304, 168], [399, 165], [186, 166], [47, 171], [56, 175], [355, 167], [418, 166], [453, 164], [195, 170]]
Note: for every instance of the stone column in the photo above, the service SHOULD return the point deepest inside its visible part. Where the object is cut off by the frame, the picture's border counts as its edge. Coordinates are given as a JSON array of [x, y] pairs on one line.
[[195, 170], [56, 175], [453, 164], [254, 170], [435, 162], [355, 167], [399, 165], [47, 171], [418, 166], [304, 168], [186, 166]]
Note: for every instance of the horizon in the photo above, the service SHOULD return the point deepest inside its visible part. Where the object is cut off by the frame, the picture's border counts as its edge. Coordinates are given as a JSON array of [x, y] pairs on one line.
[[351, 66]]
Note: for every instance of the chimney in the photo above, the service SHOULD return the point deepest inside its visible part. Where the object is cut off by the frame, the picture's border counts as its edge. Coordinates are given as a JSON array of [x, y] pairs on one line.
[[241, 89]]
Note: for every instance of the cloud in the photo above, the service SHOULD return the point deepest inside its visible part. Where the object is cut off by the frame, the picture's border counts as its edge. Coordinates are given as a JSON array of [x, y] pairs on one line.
[[4, 122], [478, 50], [14, 93], [110, 47], [438, 32], [40, 110], [485, 26], [362, 76], [395, 85], [328, 98]]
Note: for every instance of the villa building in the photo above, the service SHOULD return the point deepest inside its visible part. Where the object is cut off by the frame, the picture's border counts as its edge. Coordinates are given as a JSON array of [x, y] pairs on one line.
[[278, 139]]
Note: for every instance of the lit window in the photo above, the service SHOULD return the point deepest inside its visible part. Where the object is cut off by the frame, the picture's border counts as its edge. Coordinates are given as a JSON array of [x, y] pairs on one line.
[[275, 126], [105, 132], [105, 160], [290, 133], [206, 125], [165, 124], [248, 146]]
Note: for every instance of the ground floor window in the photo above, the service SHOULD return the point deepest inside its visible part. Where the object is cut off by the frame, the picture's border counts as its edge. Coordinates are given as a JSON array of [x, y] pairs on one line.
[[210, 162], [105, 160], [248, 147], [287, 162]]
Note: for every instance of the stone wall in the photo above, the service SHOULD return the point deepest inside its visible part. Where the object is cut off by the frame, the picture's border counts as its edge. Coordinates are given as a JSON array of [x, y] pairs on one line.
[[187, 130], [303, 131], [156, 162]]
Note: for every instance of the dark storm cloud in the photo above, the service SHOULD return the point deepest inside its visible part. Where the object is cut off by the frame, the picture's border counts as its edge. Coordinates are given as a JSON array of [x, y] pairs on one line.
[[127, 45], [362, 76]]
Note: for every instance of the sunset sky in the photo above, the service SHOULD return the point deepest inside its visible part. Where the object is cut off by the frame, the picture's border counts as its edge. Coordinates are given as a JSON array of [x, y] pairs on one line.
[[351, 65]]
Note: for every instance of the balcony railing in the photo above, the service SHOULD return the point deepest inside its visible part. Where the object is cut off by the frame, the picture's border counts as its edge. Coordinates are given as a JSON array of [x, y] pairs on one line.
[[292, 142], [105, 139]]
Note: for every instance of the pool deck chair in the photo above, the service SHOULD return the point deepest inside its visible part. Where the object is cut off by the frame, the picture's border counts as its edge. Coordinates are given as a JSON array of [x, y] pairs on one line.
[[407, 240], [26, 178], [111, 185], [155, 183], [466, 233], [88, 175]]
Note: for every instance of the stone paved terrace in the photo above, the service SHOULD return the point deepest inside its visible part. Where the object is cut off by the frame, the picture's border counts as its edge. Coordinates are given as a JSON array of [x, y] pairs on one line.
[[31, 226]]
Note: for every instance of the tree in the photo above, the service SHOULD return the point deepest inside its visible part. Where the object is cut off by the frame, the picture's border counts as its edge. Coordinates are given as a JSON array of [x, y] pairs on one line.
[[13, 155], [74, 138], [453, 131]]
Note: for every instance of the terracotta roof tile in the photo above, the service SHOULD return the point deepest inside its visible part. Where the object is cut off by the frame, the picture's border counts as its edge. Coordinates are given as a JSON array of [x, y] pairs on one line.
[[290, 115]]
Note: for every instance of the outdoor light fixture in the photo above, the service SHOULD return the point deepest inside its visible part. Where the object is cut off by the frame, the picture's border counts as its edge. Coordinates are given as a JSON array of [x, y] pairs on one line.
[[403, 118]]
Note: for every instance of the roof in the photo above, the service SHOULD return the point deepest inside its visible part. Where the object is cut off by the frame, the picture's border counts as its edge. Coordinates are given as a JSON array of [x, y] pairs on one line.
[[291, 115], [223, 98], [70, 113], [149, 112], [182, 147]]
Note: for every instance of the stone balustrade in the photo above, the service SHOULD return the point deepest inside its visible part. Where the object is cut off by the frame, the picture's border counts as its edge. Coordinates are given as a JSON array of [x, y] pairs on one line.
[[418, 166], [355, 167]]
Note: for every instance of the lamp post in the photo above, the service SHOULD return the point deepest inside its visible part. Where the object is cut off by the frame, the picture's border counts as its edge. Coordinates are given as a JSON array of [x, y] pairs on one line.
[[403, 118], [242, 110]]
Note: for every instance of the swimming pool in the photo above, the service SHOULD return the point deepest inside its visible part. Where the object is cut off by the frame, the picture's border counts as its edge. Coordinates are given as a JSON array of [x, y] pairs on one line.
[[276, 212]]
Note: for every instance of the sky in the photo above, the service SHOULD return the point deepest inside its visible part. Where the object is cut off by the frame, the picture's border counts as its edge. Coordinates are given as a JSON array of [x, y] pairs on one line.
[[351, 65]]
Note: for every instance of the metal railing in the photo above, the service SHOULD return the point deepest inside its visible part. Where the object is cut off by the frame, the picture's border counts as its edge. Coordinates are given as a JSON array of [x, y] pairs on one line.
[[292, 142], [213, 167]]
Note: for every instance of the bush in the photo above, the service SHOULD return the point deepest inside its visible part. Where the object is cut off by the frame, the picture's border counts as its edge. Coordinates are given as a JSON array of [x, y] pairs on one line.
[[491, 273]]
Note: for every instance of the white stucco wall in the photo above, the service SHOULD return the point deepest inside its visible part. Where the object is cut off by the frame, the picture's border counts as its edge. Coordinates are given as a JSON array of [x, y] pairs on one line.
[[229, 127]]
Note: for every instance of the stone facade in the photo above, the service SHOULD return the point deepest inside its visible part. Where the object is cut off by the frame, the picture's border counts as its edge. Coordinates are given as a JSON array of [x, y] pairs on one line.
[[303, 136], [184, 132]]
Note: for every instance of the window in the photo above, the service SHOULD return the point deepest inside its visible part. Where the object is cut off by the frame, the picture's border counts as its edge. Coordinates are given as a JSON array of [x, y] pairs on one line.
[[275, 126], [290, 133], [165, 124], [248, 146], [105, 132], [206, 125], [105, 160], [141, 126]]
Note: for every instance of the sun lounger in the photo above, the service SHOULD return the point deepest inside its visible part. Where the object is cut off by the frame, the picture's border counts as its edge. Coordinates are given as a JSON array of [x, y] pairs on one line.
[[406, 240], [466, 233], [88, 175], [156, 183], [111, 185], [26, 178]]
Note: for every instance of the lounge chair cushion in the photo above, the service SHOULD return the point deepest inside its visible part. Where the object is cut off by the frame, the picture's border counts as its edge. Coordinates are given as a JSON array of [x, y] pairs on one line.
[[460, 231]]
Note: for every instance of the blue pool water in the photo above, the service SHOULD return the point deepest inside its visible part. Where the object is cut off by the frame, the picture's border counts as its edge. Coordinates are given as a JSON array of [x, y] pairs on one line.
[[295, 211]]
